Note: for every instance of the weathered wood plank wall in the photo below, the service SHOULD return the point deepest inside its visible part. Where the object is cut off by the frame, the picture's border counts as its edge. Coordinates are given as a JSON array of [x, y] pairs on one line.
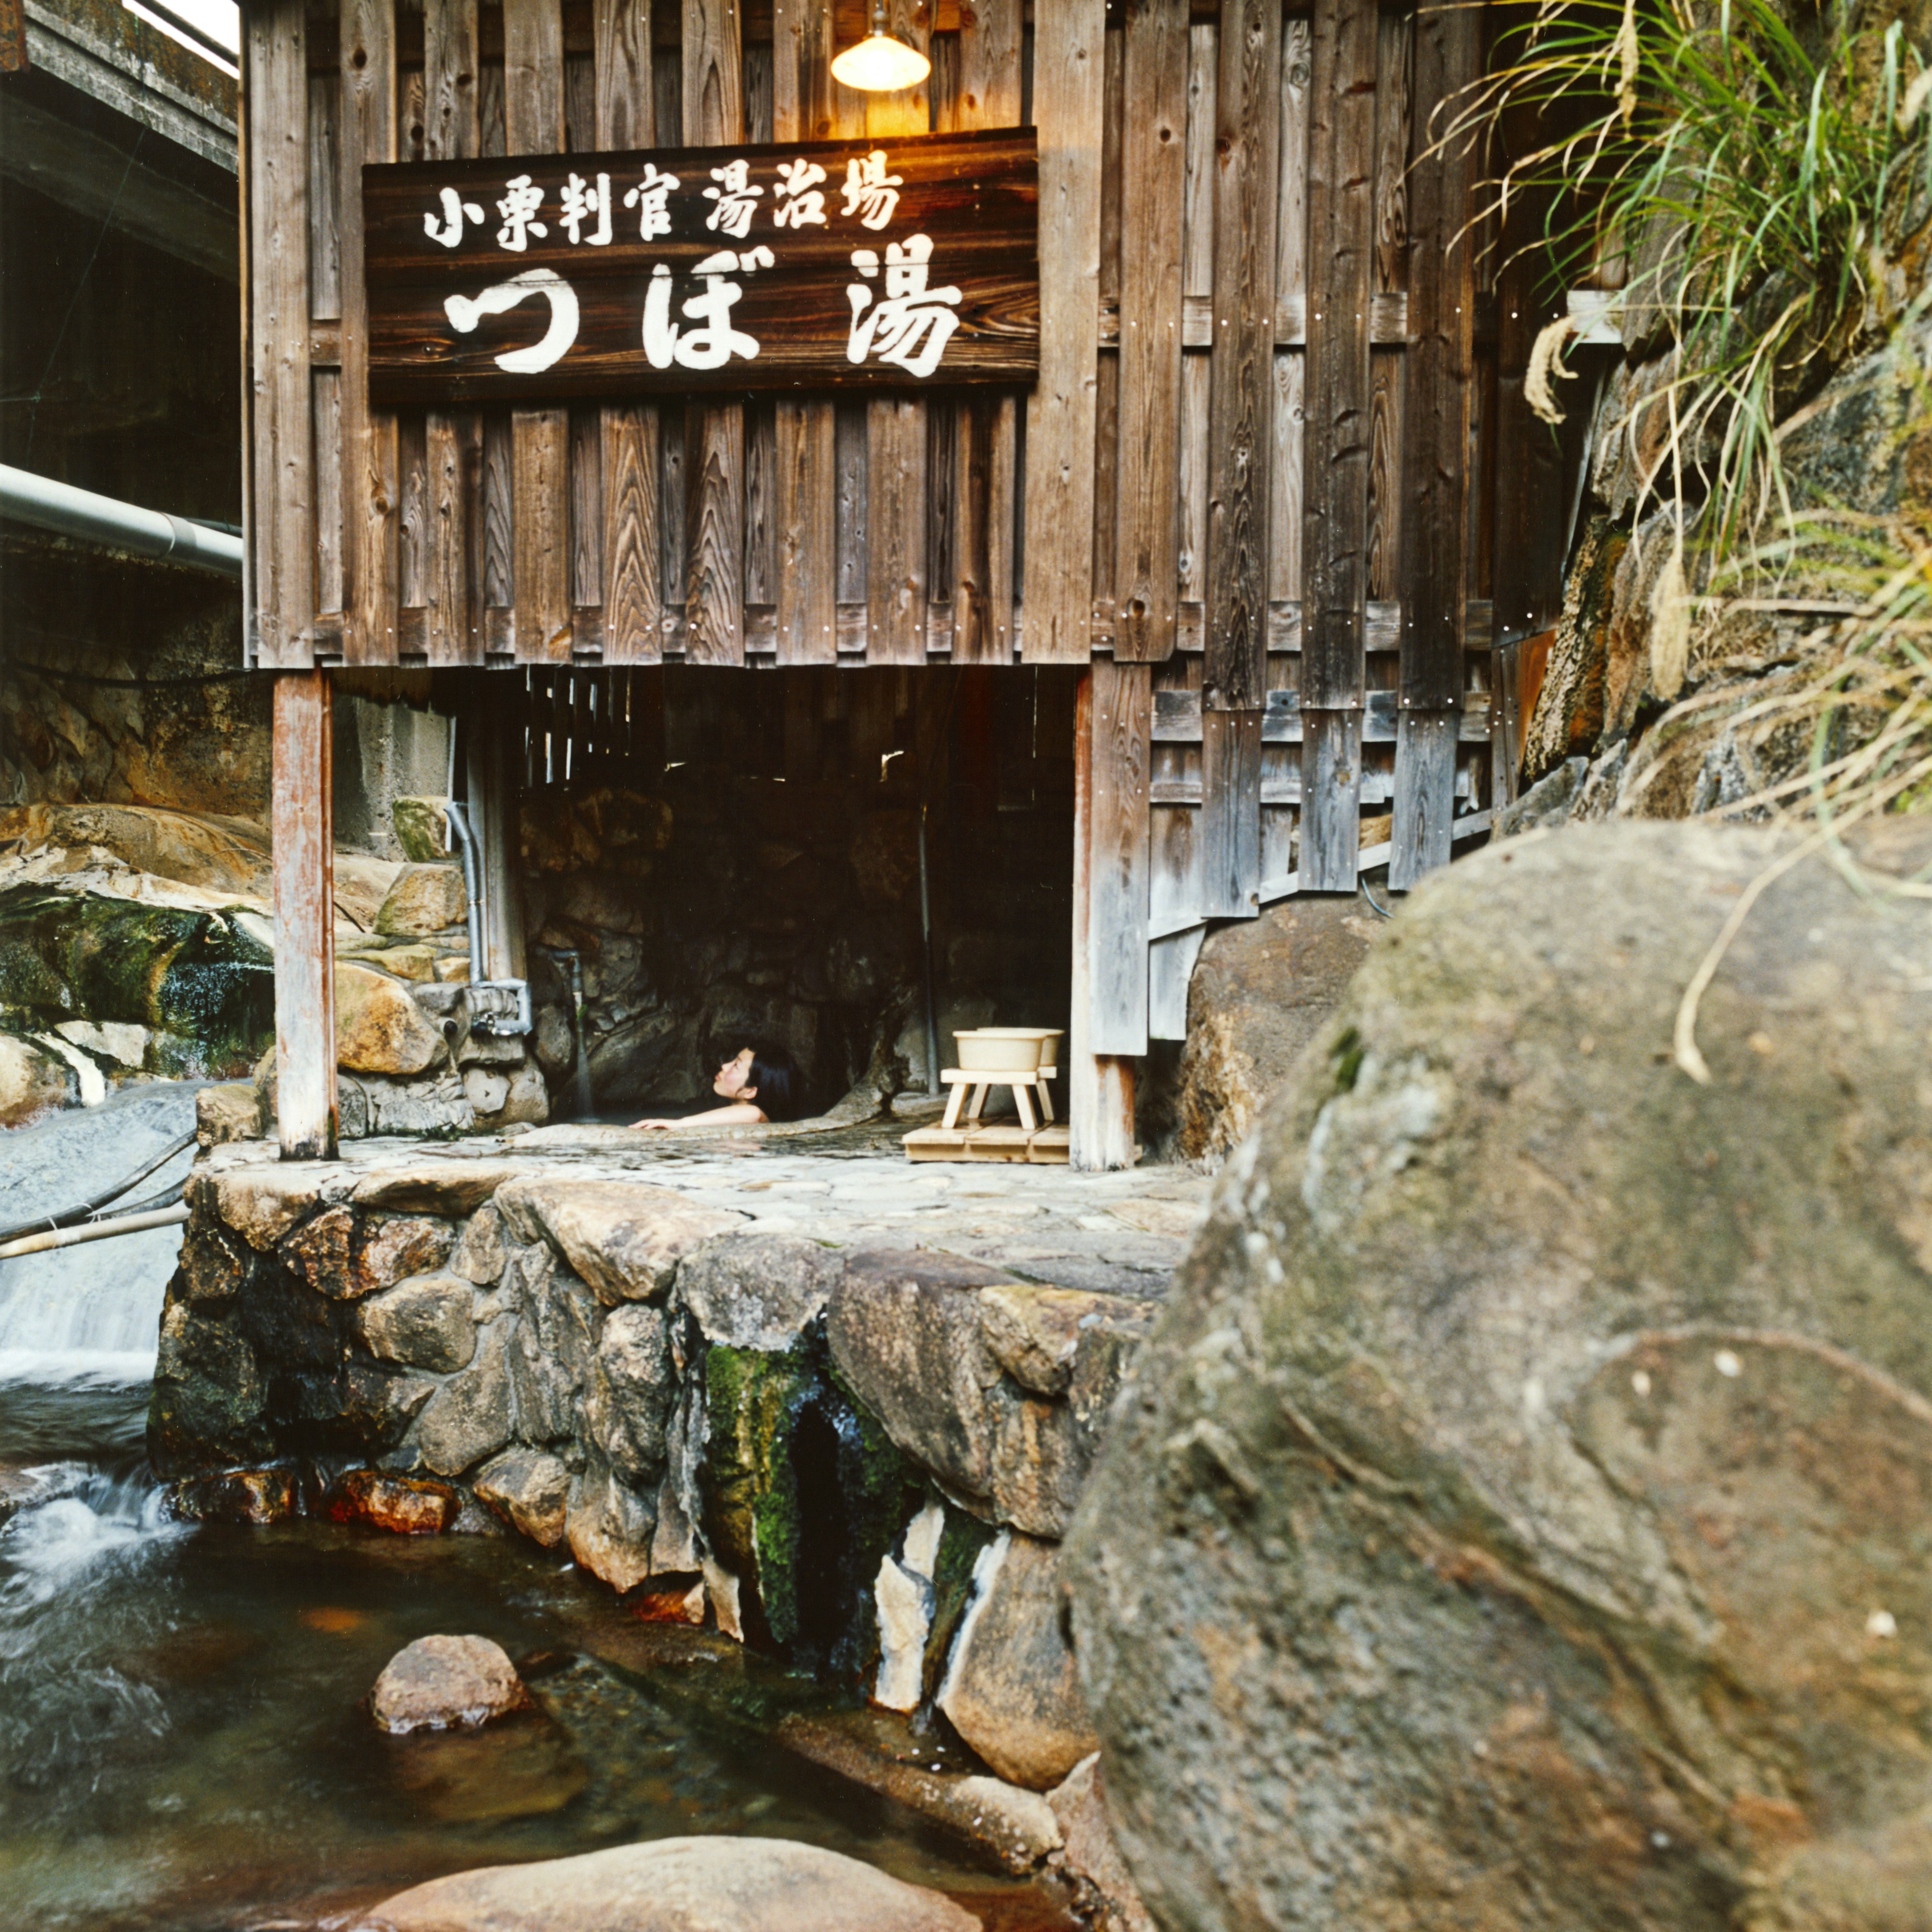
[[1276, 468]]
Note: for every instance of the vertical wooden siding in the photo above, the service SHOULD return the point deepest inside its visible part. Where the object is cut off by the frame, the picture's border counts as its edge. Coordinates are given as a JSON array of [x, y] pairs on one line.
[[1272, 467]]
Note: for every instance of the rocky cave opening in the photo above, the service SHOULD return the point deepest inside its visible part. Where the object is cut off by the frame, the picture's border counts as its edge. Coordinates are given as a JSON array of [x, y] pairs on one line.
[[717, 858]]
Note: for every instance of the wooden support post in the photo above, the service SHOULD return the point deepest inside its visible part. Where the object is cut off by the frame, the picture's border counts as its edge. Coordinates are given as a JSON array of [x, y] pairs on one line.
[[304, 844], [1100, 1087]]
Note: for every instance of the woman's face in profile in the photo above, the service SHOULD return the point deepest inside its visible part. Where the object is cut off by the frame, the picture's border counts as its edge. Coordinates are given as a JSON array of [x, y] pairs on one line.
[[732, 1076]]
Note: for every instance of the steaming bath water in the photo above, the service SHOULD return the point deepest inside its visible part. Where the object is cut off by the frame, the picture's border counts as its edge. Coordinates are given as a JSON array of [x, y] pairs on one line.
[[183, 1743]]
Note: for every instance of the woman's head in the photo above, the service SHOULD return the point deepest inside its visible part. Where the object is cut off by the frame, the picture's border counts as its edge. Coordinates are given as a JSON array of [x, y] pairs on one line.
[[765, 1076]]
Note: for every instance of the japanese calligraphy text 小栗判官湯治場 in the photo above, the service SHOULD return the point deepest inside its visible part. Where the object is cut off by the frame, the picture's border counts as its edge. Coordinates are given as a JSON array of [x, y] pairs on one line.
[[815, 265]]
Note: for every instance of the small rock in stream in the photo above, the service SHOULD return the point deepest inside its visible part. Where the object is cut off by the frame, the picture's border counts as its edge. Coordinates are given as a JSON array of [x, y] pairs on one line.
[[440, 1682]]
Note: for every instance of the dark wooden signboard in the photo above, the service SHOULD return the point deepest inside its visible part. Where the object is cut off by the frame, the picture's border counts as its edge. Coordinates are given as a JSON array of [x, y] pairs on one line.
[[868, 263]]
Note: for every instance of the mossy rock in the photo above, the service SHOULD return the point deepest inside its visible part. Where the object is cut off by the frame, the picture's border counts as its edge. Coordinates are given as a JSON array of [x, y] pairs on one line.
[[199, 977], [803, 1494]]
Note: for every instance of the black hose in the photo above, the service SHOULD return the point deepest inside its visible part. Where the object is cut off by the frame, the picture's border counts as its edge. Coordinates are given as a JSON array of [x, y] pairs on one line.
[[88, 1209]]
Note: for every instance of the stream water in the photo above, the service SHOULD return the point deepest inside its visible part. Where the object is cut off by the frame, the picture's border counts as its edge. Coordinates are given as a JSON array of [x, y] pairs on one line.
[[183, 1742]]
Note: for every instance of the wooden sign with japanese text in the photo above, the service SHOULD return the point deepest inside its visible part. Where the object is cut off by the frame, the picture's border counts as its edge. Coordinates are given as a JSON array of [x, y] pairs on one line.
[[860, 264]]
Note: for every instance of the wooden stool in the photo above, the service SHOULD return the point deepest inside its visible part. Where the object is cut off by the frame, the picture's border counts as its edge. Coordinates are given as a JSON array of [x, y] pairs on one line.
[[1025, 1083]]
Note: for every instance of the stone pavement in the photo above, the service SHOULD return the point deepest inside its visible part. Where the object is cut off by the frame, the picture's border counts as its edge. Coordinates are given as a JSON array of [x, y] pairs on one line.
[[1117, 1233]]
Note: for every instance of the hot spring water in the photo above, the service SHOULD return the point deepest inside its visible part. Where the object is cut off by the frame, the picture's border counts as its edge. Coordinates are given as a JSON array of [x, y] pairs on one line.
[[184, 1746]]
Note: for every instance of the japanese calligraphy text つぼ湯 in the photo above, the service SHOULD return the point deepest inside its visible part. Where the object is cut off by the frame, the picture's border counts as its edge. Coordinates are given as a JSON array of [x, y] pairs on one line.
[[899, 317]]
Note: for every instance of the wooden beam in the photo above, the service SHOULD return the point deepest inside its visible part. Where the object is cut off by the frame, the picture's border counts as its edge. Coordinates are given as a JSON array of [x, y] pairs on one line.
[[282, 532], [539, 439], [1241, 423], [714, 114], [1337, 439], [897, 427], [985, 445], [451, 132], [1440, 364], [304, 843], [1146, 497], [369, 483], [1069, 92], [1100, 1087], [806, 105]]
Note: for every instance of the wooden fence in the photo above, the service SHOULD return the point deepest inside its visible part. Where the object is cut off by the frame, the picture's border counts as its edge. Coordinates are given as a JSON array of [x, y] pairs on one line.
[[1277, 480]]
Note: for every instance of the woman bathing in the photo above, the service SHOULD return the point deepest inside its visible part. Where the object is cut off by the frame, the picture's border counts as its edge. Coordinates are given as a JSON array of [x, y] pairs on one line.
[[758, 1084]]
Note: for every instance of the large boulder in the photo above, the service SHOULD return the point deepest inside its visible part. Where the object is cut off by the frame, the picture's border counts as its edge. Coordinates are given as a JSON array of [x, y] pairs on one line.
[[1523, 1514], [675, 1885], [1262, 988]]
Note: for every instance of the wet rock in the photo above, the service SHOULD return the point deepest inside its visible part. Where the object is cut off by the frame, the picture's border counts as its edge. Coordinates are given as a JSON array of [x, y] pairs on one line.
[[422, 1324], [346, 1255], [624, 1238], [610, 1527], [262, 1203], [1517, 1491], [421, 828], [918, 1341], [628, 1403], [468, 1417], [379, 1404], [424, 899], [878, 1752], [28, 1488], [1011, 1691], [379, 1028], [439, 1682], [400, 1504], [480, 1255], [230, 1112], [545, 1393], [1262, 988], [215, 1264], [256, 1496], [528, 1490], [757, 1291], [208, 1389], [675, 1885], [1090, 1853], [450, 1187]]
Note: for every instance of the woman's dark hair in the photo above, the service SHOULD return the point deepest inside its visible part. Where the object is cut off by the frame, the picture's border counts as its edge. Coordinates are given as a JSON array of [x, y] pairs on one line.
[[779, 1091]]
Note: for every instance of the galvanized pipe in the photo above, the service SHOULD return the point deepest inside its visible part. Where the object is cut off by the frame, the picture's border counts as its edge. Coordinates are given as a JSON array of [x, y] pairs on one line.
[[93, 1231], [60, 507]]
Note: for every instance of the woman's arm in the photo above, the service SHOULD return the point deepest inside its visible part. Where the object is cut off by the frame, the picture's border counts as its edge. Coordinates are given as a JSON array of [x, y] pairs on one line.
[[740, 1112]]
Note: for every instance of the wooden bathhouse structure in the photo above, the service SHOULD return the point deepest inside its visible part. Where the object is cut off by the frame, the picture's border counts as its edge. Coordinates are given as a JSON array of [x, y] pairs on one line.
[[1226, 409]]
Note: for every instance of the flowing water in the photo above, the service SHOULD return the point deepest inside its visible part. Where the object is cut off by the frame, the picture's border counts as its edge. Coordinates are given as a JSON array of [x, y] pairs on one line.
[[184, 1746]]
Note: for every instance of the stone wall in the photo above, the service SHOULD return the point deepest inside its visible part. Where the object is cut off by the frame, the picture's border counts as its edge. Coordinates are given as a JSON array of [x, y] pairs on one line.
[[862, 1460]]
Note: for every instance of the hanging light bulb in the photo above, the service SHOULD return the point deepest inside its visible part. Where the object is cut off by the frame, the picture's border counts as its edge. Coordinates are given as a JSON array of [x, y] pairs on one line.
[[879, 63]]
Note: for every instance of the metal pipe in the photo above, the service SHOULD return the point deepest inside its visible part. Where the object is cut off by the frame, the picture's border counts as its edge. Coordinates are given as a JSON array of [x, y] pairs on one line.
[[60, 507], [45, 1223], [94, 1231], [472, 914]]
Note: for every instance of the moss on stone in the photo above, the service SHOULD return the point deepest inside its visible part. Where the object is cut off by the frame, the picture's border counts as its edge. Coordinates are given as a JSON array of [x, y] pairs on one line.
[[804, 1493], [195, 976], [960, 1544]]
